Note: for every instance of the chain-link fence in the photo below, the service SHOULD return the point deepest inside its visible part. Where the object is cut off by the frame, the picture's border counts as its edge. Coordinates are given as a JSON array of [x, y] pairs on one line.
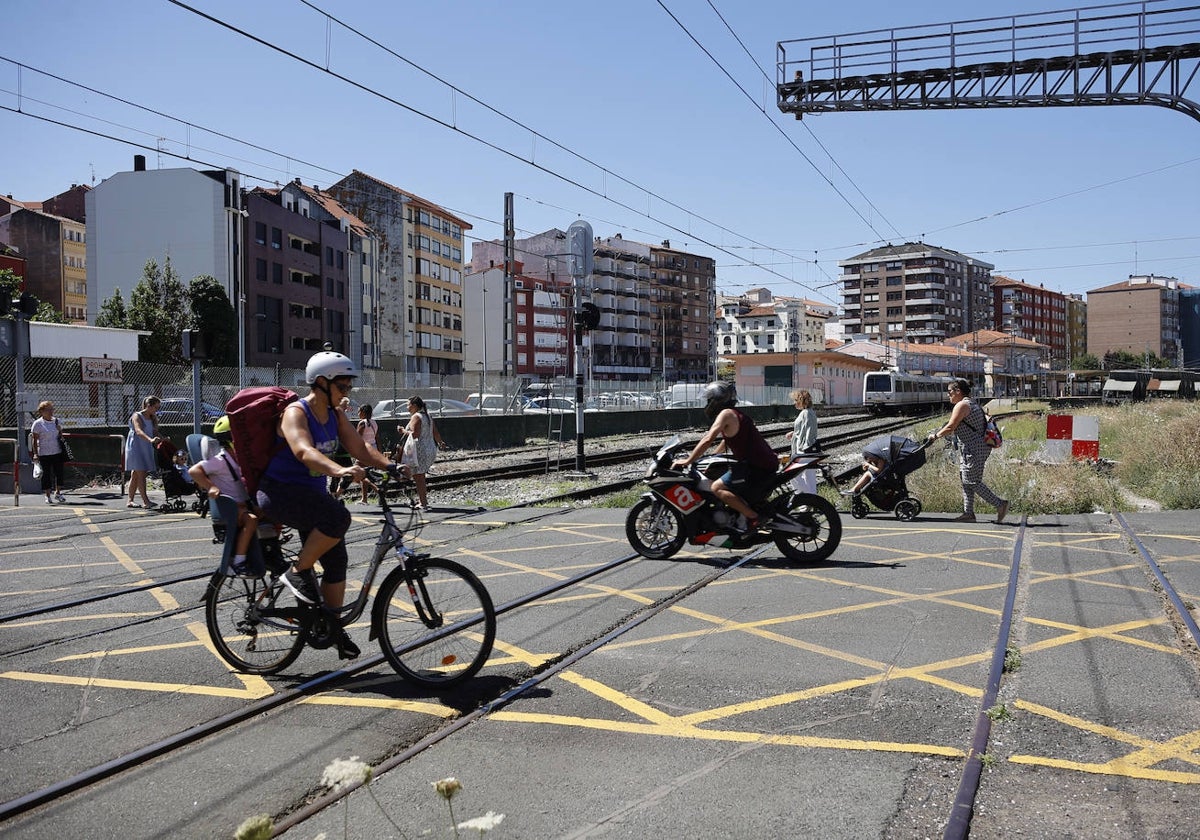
[[93, 404]]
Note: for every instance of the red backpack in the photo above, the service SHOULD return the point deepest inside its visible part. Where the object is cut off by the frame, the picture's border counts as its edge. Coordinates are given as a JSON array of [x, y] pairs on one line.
[[253, 418]]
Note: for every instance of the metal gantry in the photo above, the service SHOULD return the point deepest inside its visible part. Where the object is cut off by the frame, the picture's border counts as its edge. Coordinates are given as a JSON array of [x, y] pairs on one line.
[[1144, 53]]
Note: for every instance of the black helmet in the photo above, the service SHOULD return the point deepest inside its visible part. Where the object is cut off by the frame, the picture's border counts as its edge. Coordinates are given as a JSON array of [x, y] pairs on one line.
[[717, 396]]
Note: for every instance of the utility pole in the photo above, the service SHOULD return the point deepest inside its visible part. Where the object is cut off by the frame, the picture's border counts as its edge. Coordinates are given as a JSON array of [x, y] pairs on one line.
[[580, 261]]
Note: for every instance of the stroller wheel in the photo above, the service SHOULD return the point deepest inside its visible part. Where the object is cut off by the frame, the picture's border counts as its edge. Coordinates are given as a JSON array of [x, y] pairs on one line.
[[907, 509], [858, 509]]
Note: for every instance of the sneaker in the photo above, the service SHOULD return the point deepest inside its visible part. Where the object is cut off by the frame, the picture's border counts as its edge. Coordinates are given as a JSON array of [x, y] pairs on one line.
[[303, 585], [60, 498], [1001, 511], [966, 517], [49, 501], [346, 648], [746, 526]]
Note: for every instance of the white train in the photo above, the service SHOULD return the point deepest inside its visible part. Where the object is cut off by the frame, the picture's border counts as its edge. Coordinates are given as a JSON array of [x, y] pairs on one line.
[[891, 392]]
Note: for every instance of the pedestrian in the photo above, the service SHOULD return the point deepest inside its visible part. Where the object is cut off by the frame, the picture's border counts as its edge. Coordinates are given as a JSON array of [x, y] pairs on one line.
[[420, 449], [45, 447], [368, 430], [139, 450], [804, 439], [967, 423], [339, 486]]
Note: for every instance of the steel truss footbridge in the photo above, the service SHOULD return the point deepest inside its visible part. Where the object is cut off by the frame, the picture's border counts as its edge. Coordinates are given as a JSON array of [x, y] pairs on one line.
[[1144, 53]]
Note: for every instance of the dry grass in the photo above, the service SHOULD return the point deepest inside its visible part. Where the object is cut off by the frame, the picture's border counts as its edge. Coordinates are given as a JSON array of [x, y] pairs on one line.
[[1155, 447]]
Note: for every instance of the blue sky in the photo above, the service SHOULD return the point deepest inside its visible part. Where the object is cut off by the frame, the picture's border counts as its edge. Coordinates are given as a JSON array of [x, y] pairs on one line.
[[653, 140]]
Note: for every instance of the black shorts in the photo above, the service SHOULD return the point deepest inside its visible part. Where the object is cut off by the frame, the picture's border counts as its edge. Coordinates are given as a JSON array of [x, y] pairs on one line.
[[307, 509], [746, 480]]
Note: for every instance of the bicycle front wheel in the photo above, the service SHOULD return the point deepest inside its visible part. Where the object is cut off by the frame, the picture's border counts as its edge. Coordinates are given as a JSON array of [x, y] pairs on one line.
[[254, 623], [436, 622]]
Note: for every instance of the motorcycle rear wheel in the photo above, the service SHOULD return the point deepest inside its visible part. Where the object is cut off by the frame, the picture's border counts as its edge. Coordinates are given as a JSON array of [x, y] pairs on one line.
[[654, 529], [820, 513]]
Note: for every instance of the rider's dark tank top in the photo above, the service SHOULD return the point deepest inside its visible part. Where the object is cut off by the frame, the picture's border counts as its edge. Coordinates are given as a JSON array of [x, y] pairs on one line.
[[749, 446]]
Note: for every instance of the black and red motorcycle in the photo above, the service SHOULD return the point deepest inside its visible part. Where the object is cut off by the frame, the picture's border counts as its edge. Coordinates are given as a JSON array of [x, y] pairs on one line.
[[681, 507]]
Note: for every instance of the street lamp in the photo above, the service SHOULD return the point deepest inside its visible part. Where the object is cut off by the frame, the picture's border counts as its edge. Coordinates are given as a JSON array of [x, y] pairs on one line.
[[237, 214]]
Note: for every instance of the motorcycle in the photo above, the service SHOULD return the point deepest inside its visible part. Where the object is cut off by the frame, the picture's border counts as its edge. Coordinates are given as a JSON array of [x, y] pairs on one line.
[[681, 507]]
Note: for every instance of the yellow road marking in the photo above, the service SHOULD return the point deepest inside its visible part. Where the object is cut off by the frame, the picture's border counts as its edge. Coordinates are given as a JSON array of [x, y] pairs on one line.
[[139, 685]]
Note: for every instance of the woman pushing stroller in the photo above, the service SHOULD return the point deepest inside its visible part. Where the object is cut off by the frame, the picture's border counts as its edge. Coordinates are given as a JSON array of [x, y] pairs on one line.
[[967, 423]]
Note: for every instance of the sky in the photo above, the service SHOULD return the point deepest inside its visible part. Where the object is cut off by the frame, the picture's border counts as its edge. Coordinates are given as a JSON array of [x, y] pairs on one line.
[[655, 119]]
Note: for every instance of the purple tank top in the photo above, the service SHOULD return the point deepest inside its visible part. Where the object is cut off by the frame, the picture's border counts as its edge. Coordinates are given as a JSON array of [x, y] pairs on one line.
[[286, 468], [749, 446]]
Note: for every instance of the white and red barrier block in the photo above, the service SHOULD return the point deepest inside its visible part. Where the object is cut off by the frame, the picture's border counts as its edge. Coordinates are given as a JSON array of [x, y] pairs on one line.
[[1072, 436]]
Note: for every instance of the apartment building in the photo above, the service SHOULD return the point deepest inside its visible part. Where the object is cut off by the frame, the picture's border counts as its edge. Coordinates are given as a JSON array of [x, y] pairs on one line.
[[420, 276], [1137, 315], [1034, 312], [760, 322], [917, 292], [54, 249], [192, 216], [1077, 321], [655, 303], [542, 335], [297, 270]]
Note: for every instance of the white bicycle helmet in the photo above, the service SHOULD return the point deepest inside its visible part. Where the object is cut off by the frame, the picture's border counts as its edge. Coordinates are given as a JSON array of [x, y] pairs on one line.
[[328, 364]]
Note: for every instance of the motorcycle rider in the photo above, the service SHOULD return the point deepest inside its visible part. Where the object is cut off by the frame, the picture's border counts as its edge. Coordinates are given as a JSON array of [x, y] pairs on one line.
[[734, 431]]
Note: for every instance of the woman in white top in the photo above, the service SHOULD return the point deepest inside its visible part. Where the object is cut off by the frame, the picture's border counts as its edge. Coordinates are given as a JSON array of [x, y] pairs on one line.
[[368, 430], [46, 451], [804, 439]]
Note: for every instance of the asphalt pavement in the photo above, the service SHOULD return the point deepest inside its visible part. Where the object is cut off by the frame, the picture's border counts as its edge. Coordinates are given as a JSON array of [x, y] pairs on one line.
[[833, 701]]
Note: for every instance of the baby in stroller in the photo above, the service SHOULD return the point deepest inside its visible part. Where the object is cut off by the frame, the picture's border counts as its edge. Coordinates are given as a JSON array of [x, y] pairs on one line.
[[172, 470], [886, 462]]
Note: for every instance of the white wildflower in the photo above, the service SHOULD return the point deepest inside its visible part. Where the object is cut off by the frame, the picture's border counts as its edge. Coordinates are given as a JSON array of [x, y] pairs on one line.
[[447, 787], [485, 823], [345, 772]]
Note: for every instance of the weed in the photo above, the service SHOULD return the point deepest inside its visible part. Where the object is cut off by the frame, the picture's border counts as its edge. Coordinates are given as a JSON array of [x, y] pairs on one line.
[[988, 760], [1012, 659], [998, 713]]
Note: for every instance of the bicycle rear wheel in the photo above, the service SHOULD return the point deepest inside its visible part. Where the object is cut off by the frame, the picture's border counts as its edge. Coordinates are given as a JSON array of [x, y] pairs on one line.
[[254, 623], [437, 628]]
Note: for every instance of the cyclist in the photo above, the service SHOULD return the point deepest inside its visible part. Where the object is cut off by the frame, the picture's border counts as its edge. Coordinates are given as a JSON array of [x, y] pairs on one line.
[[293, 490], [734, 431]]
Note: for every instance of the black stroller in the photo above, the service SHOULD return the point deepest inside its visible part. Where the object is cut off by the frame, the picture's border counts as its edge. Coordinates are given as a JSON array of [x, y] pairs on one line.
[[177, 484], [901, 456]]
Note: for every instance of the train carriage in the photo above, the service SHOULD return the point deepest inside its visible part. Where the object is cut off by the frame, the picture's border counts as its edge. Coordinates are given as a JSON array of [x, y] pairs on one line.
[[893, 392]]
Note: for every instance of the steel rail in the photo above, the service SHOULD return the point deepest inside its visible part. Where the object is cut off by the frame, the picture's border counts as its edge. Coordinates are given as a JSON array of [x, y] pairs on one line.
[[968, 786], [1185, 615], [632, 622], [103, 772]]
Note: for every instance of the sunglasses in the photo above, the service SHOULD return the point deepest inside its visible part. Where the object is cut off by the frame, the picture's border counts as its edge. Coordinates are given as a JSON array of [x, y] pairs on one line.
[[344, 385]]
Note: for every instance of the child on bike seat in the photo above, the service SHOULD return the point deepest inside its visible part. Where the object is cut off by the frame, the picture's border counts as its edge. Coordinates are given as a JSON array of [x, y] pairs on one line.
[[219, 475]]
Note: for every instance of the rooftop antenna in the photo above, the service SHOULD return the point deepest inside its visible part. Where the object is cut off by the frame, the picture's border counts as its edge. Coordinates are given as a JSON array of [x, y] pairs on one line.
[[93, 168], [159, 145]]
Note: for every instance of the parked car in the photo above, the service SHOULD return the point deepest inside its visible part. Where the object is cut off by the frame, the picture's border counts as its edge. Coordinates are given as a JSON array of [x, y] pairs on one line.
[[398, 409], [445, 408], [554, 405], [176, 410], [494, 403]]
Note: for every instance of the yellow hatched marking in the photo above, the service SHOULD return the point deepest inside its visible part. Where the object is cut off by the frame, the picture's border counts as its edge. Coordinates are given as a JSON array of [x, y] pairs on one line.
[[382, 703], [728, 735], [1112, 768], [139, 685]]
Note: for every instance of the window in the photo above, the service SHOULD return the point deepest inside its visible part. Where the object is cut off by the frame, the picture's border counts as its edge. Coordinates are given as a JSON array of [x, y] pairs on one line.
[[276, 238], [260, 270], [277, 273], [328, 255], [260, 233]]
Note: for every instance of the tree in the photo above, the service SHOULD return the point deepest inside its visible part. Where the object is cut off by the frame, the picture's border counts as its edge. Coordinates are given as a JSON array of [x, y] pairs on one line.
[[11, 283], [112, 312], [213, 315], [47, 314], [1085, 362], [158, 304]]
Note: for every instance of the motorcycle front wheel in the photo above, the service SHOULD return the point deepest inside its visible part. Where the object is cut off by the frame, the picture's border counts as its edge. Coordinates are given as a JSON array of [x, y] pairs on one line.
[[654, 529], [819, 514]]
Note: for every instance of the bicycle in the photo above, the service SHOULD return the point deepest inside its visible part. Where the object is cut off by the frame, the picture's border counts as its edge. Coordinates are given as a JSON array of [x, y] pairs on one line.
[[434, 619]]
